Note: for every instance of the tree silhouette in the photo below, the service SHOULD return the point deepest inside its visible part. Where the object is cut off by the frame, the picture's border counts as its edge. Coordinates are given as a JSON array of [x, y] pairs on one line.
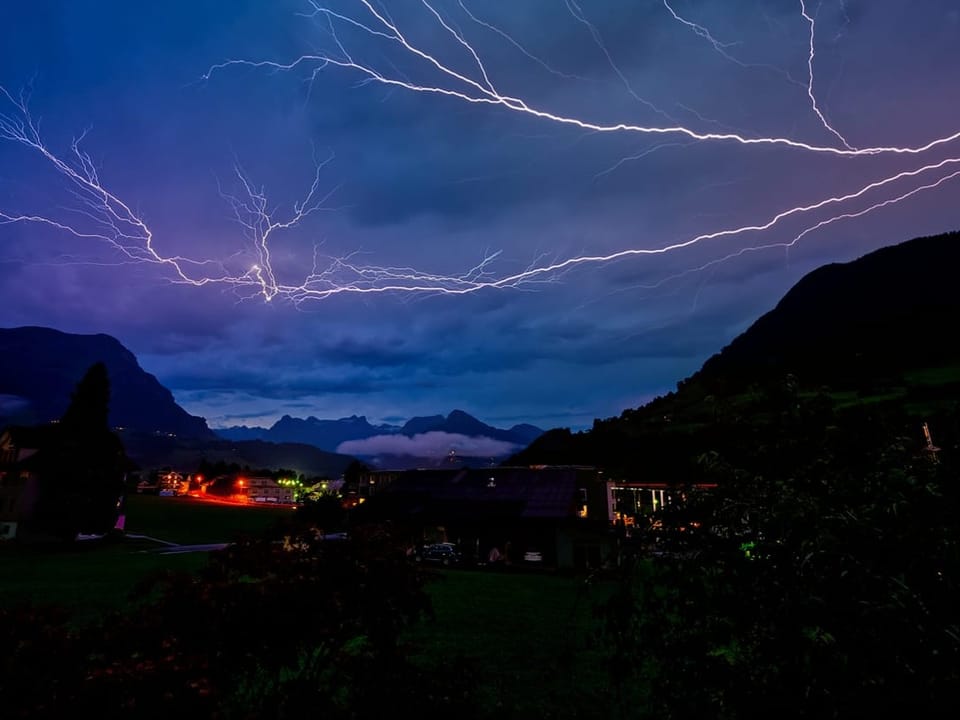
[[90, 403], [82, 480], [819, 579]]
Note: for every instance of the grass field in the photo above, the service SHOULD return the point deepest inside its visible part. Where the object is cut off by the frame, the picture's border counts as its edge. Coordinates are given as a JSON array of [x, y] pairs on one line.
[[185, 520], [936, 376], [533, 640], [88, 577], [530, 641], [92, 576]]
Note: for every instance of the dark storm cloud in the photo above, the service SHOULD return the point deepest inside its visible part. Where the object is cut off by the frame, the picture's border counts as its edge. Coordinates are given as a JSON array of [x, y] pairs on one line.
[[434, 183], [470, 166], [361, 352], [275, 388], [452, 162]]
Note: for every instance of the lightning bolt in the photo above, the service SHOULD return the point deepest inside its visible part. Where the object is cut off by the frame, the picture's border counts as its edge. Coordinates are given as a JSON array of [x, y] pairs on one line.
[[104, 217], [577, 12], [722, 48], [113, 222], [470, 90], [539, 61], [703, 32], [813, 98], [481, 91]]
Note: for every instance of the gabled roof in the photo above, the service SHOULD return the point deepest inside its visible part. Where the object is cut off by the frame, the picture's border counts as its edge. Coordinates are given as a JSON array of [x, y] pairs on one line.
[[46, 441], [34, 438], [504, 492], [20, 446]]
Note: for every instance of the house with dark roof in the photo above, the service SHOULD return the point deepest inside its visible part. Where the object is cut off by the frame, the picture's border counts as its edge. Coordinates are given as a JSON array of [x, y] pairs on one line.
[[553, 516], [56, 483], [20, 460]]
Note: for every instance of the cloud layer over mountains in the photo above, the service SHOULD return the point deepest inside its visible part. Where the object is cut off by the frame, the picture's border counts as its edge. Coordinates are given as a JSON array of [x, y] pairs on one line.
[[428, 444]]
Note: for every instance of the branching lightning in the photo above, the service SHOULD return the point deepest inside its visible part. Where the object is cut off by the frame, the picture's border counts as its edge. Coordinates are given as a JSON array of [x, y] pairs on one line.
[[471, 90], [577, 13], [723, 48], [540, 61], [102, 216], [813, 98]]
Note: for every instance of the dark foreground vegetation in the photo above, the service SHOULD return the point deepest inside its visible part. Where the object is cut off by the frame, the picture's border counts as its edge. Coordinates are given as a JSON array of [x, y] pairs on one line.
[[817, 580], [820, 579], [316, 628]]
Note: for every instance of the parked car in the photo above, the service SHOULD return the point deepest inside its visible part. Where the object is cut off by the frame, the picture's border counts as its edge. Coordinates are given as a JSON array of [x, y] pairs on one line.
[[533, 556], [443, 553]]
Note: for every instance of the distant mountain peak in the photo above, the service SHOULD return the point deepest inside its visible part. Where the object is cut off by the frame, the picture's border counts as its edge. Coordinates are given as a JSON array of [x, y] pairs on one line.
[[331, 434], [42, 367]]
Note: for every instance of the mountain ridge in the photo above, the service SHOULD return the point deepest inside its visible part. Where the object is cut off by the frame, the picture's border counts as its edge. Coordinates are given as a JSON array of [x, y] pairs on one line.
[[39, 370], [905, 292], [873, 332], [328, 434]]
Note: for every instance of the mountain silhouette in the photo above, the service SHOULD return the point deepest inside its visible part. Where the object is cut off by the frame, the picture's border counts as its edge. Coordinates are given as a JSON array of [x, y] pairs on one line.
[[330, 434], [879, 329], [893, 309], [40, 367]]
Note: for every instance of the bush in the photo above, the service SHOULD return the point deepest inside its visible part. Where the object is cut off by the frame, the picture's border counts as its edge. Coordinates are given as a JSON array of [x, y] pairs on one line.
[[265, 630]]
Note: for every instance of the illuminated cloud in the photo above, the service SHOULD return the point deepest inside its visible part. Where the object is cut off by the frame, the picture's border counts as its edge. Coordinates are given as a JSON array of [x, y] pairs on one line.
[[434, 444]]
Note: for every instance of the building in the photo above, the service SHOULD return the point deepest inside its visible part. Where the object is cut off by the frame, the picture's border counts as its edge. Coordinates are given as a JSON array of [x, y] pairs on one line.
[[55, 483], [20, 449], [556, 516], [267, 490], [633, 503], [171, 482]]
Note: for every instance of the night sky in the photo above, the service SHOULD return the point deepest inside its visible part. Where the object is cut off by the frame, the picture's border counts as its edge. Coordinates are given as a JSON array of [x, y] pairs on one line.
[[432, 183]]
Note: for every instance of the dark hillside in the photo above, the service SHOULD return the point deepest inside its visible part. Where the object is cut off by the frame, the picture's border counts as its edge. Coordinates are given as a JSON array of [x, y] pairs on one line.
[[39, 368], [844, 325], [878, 331]]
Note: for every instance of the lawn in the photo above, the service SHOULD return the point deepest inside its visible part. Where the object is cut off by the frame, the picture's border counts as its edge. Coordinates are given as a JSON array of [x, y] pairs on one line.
[[184, 520], [531, 640], [88, 577], [92, 576], [936, 376]]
